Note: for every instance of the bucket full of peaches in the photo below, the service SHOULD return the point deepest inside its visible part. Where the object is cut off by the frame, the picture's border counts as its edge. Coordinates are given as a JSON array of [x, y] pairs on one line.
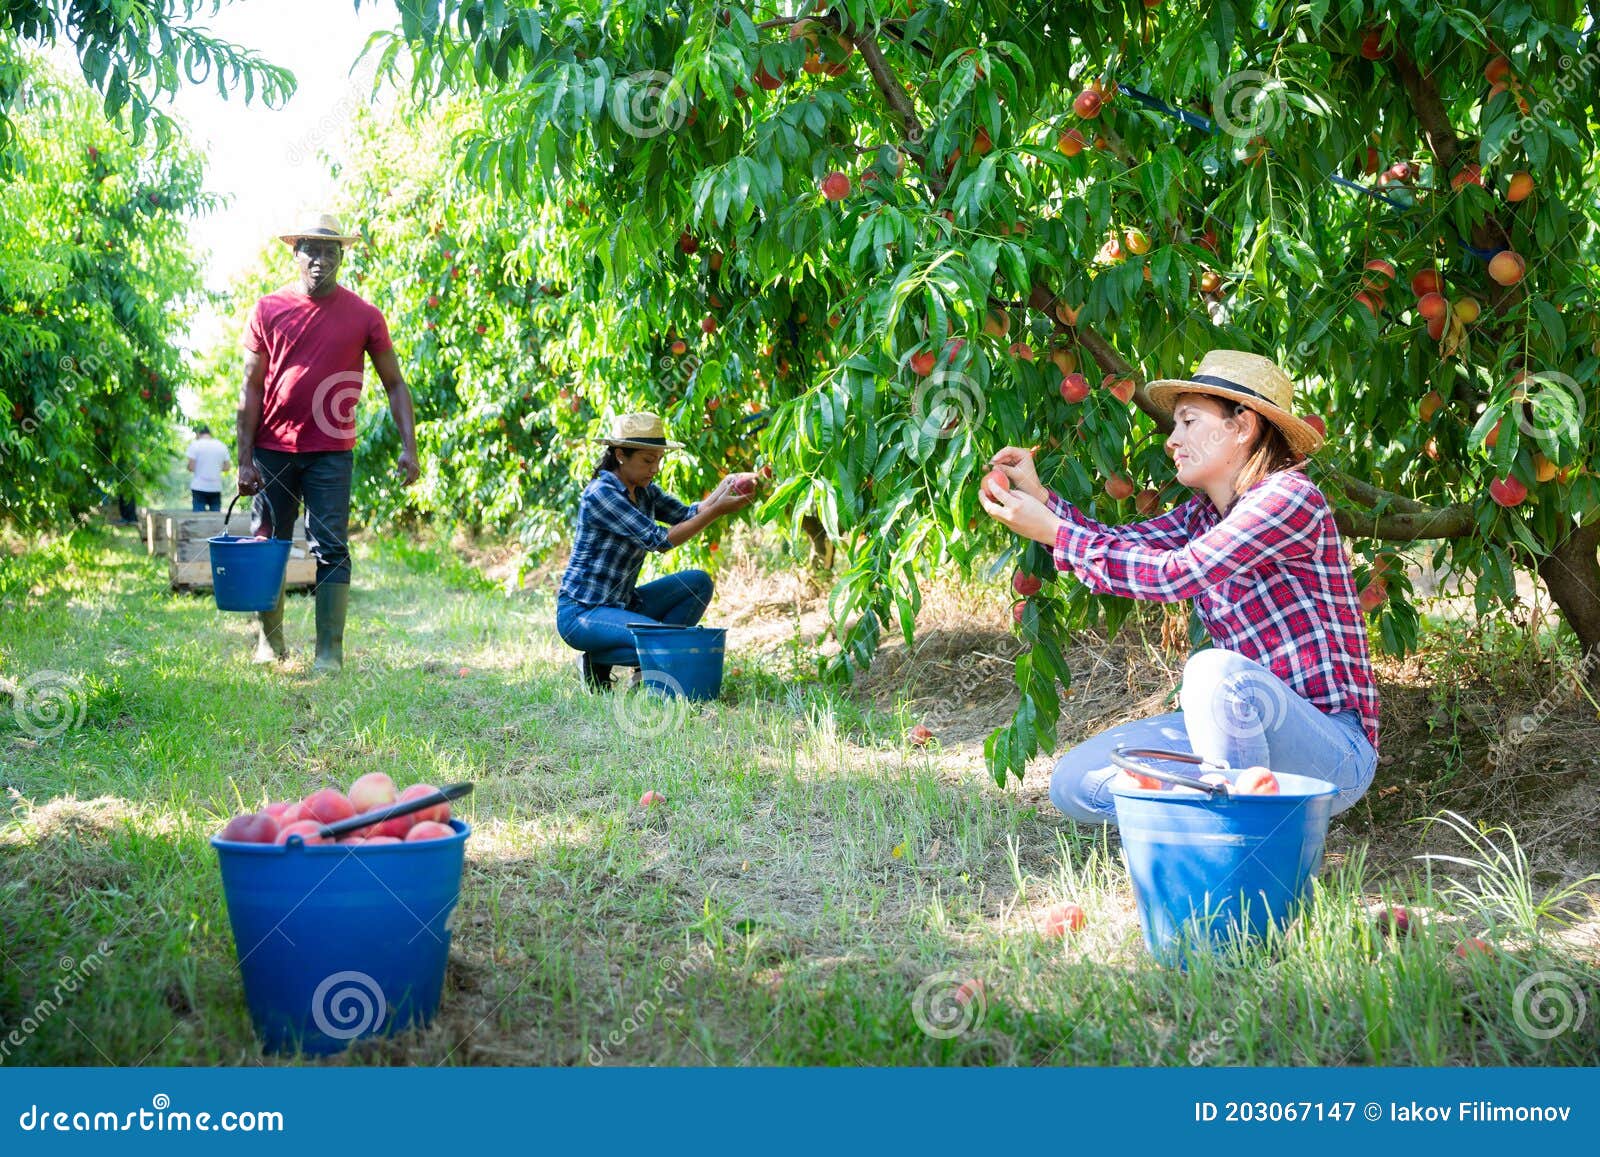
[[1217, 857], [340, 906]]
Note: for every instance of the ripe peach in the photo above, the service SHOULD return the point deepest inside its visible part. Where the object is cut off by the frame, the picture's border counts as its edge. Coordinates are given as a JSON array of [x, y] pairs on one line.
[[309, 831], [1507, 267], [1429, 406], [1492, 436], [1435, 327], [996, 324], [1467, 310], [651, 798], [397, 827], [995, 483], [1433, 306], [1374, 595], [429, 830], [1372, 303], [251, 828], [1210, 282], [1427, 281], [1497, 70], [1119, 488], [981, 144], [680, 347], [1122, 390], [1138, 242], [1074, 388], [1068, 314], [278, 810], [1132, 780], [1508, 491], [439, 813], [1316, 423], [766, 80], [1379, 274], [1025, 584], [687, 243], [1070, 143], [1473, 946], [1372, 44], [1022, 351], [1017, 611], [1256, 781], [1064, 918], [836, 186], [1469, 174], [372, 791], [970, 990], [1087, 104], [922, 363], [1543, 469], [742, 484], [1064, 359], [919, 736], [1520, 188], [1147, 501], [327, 806], [708, 324]]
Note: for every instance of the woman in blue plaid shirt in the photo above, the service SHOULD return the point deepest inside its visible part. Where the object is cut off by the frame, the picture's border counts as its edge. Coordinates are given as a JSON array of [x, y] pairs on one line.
[[620, 519]]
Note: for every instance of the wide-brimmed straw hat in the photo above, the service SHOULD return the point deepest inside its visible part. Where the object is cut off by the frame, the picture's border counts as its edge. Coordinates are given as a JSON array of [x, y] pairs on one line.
[[320, 227], [643, 431], [1251, 380]]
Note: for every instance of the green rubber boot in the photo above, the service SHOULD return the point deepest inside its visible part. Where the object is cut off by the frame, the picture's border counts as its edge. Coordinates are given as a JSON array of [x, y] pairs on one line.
[[270, 646], [333, 602]]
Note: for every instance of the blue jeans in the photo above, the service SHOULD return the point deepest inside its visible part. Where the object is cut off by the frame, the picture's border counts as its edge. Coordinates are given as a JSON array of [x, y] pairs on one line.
[[1237, 714], [677, 600], [205, 499], [322, 480]]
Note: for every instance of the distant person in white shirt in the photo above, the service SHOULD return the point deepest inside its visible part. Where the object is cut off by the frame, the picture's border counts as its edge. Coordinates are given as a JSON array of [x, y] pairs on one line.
[[208, 462]]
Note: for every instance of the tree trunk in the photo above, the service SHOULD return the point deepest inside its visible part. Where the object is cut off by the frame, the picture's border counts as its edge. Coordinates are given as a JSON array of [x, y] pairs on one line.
[[821, 545], [1571, 573]]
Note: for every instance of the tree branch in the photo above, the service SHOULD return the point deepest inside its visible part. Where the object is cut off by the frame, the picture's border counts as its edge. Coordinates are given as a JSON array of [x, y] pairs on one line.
[[1451, 522]]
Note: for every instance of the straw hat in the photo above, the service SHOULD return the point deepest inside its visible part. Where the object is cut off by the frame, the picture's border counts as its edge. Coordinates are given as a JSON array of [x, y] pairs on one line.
[[643, 431], [1251, 380], [321, 226]]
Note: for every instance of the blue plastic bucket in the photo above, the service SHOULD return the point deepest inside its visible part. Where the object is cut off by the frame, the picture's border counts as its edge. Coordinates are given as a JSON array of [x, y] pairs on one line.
[[338, 943], [247, 573], [1213, 870], [684, 661]]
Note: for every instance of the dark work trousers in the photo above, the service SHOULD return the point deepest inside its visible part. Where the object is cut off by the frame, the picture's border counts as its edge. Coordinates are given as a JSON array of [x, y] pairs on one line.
[[322, 481]]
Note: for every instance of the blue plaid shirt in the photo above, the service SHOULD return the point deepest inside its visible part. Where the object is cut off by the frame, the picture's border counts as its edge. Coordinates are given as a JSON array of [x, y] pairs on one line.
[[612, 537]]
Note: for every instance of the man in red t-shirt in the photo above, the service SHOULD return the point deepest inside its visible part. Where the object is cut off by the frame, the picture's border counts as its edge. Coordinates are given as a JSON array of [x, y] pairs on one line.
[[305, 347]]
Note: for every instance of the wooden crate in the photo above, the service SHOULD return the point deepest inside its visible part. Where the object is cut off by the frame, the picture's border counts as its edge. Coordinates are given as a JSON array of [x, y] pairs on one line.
[[159, 526], [184, 535]]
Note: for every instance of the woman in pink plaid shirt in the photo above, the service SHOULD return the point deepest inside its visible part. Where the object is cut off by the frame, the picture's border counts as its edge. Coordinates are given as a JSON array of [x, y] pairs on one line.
[[1287, 683]]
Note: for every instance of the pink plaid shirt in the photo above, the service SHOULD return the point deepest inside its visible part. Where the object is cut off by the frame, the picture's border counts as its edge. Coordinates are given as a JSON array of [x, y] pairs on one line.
[[1269, 581]]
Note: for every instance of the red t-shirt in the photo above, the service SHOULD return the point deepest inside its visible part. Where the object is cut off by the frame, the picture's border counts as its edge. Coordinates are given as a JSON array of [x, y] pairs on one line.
[[315, 350]]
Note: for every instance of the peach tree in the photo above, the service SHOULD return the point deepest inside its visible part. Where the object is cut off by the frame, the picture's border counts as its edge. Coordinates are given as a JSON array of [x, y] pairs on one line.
[[913, 232]]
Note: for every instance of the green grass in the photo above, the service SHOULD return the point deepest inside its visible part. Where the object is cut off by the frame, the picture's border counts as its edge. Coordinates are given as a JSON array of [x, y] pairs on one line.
[[809, 875]]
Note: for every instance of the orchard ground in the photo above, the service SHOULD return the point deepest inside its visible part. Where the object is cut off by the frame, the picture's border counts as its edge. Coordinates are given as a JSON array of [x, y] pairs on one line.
[[815, 890]]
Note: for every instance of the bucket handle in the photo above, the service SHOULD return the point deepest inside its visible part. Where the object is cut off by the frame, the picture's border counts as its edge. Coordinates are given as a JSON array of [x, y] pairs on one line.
[[273, 514], [1125, 758], [404, 808]]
